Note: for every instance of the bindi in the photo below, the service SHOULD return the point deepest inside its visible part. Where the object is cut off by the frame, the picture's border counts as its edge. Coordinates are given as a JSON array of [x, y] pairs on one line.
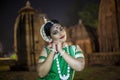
[[56, 27]]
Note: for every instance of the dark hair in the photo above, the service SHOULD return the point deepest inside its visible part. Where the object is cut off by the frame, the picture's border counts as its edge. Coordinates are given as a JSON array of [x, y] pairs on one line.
[[48, 26]]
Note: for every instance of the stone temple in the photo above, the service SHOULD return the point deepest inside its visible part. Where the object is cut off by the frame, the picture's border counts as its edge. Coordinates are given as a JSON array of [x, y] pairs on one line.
[[27, 39], [28, 42], [105, 39]]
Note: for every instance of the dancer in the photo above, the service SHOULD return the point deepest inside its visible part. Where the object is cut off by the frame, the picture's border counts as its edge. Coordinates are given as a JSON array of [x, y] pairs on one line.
[[58, 60]]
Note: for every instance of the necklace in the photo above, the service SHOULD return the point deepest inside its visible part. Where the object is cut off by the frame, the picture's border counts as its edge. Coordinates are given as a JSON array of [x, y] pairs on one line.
[[63, 77]]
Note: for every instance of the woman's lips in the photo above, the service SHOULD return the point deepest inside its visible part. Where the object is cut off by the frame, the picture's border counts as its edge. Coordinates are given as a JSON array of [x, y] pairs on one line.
[[62, 37]]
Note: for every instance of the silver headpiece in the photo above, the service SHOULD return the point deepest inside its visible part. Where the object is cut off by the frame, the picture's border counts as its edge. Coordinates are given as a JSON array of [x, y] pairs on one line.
[[42, 32]]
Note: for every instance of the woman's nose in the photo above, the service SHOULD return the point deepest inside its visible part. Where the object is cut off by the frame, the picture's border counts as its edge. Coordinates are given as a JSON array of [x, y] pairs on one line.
[[60, 33]]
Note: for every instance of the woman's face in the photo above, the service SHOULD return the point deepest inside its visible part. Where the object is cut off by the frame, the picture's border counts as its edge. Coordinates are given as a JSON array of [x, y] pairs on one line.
[[58, 33]]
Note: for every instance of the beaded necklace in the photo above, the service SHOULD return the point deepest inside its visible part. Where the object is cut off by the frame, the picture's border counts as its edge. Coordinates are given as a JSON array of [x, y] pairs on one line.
[[63, 77]]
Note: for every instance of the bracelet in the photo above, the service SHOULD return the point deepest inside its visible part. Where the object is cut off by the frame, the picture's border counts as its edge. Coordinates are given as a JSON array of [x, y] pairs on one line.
[[53, 50], [62, 52]]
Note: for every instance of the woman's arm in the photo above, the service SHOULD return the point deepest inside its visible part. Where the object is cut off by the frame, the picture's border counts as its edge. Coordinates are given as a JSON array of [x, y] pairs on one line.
[[77, 64], [44, 67]]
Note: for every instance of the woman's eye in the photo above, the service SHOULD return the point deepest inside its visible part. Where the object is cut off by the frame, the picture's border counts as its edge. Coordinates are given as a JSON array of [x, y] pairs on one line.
[[61, 28], [55, 32]]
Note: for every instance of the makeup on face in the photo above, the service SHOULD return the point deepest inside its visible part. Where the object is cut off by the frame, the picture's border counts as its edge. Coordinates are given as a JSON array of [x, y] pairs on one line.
[[58, 33], [57, 28], [62, 37]]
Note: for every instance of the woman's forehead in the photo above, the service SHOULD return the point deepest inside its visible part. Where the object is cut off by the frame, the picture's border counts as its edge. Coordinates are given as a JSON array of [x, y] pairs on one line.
[[56, 26]]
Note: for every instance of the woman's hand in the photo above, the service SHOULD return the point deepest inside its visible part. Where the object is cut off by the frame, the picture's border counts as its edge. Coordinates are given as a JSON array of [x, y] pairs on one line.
[[58, 46], [52, 47]]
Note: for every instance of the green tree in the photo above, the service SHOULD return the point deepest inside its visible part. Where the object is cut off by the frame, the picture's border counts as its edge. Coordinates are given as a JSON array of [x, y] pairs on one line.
[[89, 14]]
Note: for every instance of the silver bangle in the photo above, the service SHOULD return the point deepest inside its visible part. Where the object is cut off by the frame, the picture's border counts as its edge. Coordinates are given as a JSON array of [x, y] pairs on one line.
[[62, 52], [53, 50]]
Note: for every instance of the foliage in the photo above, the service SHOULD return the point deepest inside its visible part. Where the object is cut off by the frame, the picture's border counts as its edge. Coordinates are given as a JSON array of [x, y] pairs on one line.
[[89, 15]]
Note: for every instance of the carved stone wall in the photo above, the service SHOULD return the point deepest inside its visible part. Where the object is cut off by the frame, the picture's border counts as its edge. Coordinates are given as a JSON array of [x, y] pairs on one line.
[[108, 29], [27, 40], [103, 59], [78, 34]]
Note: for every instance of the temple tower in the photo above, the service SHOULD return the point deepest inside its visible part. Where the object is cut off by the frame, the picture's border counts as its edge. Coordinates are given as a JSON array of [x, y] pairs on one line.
[[27, 40], [79, 35], [108, 28]]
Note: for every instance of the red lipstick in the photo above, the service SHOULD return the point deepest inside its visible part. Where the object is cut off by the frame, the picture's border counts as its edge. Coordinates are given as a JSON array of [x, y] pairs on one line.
[[62, 37]]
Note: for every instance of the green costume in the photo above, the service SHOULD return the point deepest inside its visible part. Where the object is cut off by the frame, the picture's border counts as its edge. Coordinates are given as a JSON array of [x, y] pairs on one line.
[[53, 73]]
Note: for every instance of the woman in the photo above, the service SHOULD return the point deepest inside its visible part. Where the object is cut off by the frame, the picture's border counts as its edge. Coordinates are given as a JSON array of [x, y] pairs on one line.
[[58, 60]]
